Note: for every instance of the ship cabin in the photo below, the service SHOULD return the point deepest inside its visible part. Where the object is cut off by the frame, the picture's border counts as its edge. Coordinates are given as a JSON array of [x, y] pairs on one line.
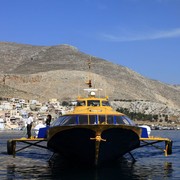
[[93, 111]]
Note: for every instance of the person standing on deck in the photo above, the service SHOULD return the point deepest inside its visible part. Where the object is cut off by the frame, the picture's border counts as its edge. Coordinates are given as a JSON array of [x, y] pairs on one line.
[[48, 120], [29, 124]]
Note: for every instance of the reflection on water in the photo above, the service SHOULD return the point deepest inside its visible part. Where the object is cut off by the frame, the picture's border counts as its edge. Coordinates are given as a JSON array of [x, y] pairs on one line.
[[168, 169], [28, 172], [121, 170], [33, 163]]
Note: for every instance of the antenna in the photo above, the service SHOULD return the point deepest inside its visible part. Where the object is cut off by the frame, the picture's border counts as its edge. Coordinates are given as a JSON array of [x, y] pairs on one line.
[[89, 82], [91, 91]]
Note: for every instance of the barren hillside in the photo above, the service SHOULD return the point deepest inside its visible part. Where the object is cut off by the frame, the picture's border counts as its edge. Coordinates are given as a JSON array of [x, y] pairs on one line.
[[45, 72]]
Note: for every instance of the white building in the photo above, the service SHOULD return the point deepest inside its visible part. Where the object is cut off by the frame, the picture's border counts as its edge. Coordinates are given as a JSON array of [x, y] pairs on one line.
[[1, 124]]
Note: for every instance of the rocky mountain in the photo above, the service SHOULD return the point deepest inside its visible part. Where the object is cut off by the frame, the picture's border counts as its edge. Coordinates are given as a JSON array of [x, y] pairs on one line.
[[45, 72]]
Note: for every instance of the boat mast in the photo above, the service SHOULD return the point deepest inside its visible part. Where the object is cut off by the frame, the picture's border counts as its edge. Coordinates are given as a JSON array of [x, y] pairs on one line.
[[89, 82], [90, 90]]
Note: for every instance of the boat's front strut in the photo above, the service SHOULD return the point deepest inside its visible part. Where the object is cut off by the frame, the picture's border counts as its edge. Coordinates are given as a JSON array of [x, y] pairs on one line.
[[11, 144], [151, 141], [98, 139], [134, 160]]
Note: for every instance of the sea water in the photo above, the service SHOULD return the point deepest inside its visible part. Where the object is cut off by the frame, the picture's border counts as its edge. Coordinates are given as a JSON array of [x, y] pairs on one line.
[[32, 163]]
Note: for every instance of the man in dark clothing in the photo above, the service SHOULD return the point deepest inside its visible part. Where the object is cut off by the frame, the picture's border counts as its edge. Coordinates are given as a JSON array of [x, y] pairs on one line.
[[48, 120]]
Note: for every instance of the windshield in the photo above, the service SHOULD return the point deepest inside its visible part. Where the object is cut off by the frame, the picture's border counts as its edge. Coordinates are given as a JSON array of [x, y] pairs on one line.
[[91, 119], [93, 103]]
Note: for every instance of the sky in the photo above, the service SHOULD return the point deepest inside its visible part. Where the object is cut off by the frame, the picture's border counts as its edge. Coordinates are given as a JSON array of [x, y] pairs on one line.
[[143, 35]]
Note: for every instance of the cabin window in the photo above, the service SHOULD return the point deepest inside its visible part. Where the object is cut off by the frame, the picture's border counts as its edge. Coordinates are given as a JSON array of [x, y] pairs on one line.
[[64, 121], [129, 120], [92, 119], [68, 120], [83, 119], [110, 119], [59, 121], [105, 103], [93, 103], [102, 119], [71, 120], [123, 120], [81, 103]]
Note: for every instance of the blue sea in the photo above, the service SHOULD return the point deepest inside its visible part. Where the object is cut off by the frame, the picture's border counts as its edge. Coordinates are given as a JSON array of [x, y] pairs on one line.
[[32, 163]]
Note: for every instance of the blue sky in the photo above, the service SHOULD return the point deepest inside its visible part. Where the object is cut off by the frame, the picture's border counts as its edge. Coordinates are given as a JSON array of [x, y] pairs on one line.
[[143, 35]]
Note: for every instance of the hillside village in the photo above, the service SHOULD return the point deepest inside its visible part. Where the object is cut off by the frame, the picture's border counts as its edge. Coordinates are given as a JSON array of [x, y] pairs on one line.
[[14, 113]]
